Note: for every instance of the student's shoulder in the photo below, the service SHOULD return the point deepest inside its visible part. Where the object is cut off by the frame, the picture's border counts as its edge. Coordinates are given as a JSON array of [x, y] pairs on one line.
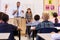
[[50, 22], [12, 25]]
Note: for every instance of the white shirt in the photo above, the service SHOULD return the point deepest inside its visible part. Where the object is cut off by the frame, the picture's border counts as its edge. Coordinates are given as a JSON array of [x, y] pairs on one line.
[[19, 11], [35, 23]]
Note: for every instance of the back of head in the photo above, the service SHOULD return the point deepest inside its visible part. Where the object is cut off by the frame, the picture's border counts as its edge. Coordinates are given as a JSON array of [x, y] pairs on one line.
[[55, 14], [4, 17], [36, 17], [45, 16]]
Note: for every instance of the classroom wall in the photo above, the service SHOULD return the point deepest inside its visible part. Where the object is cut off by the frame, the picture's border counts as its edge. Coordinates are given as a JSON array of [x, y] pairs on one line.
[[54, 3], [35, 5]]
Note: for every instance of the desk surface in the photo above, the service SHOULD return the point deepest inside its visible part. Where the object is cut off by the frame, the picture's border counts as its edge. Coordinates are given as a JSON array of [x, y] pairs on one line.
[[4, 35], [57, 28], [45, 36], [49, 36]]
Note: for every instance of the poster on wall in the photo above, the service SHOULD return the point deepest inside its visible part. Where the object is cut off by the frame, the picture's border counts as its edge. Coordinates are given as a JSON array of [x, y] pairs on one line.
[[47, 7], [59, 10], [50, 1], [52, 7]]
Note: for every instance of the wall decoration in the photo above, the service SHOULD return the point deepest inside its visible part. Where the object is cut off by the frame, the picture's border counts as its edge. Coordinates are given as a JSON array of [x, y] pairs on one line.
[[52, 7], [47, 7], [50, 1]]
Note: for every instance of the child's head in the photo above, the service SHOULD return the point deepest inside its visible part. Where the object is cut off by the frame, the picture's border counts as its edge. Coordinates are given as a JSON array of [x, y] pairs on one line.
[[45, 16], [36, 17], [55, 14]]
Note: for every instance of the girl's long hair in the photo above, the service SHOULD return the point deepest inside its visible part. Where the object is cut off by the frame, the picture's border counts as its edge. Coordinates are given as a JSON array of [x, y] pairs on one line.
[[30, 10]]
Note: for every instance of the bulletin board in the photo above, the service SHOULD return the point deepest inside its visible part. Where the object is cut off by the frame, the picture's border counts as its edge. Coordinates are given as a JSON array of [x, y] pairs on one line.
[[51, 6]]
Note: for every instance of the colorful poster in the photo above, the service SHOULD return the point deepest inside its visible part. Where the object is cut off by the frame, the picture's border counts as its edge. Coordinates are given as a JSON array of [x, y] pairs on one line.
[[50, 1], [52, 7], [47, 7]]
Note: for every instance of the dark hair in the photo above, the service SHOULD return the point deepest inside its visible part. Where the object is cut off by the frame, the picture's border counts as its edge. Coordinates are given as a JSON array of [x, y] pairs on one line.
[[55, 14], [18, 2], [4, 17], [36, 17], [29, 9]]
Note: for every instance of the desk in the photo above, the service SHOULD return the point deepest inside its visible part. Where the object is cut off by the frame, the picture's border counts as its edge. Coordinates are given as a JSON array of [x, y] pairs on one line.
[[46, 36], [49, 36], [4, 36], [58, 28]]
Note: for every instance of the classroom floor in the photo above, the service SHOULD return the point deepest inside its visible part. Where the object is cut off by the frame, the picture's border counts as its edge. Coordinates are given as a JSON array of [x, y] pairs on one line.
[[23, 38]]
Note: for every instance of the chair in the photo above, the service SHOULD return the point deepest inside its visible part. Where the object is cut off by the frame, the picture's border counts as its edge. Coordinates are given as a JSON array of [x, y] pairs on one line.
[[47, 30]]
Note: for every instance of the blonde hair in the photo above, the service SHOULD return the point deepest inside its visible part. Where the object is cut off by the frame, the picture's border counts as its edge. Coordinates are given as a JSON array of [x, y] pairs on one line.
[[45, 16]]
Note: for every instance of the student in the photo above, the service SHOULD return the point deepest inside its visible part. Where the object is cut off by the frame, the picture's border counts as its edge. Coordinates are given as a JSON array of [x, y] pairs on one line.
[[5, 27], [44, 24], [28, 17], [55, 15], [34, 24]]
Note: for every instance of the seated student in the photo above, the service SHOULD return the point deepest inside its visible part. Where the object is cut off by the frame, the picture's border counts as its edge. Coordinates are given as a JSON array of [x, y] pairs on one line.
[[55, 15], [56, 20], [5, 27], [44, 24], [35, 23]]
